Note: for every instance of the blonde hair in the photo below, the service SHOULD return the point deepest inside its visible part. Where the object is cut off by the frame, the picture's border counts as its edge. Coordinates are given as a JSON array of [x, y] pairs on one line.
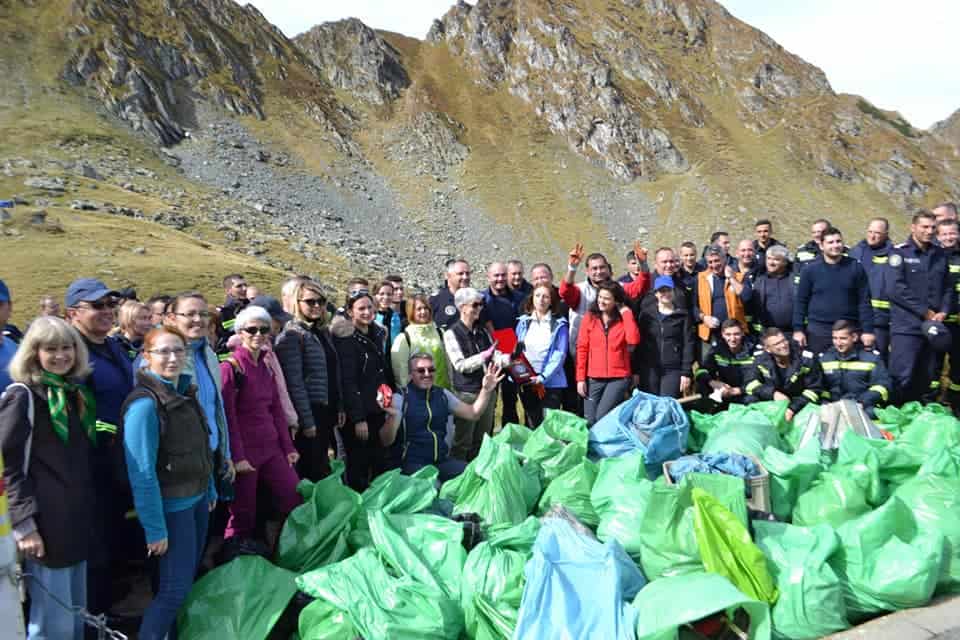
[[127, 317], [49, 331], [306, 285]]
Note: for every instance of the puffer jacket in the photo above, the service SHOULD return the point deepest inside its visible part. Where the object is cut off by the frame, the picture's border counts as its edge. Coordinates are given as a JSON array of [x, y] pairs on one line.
[[305, 368], [363, 366], [668, 342]]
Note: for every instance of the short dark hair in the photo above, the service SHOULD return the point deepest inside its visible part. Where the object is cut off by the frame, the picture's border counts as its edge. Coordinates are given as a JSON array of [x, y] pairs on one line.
[[716, 236], [949, 206], [730, 323], [832, 231], [845, 325], [394, 278], [596, 256], [631, 255], [542, 265], [948, 222], [360, 281], [821, 221], [160, 297], [228, 280], [922, 213], [770, 332], [761, 222], [687, 244], [554, 299]]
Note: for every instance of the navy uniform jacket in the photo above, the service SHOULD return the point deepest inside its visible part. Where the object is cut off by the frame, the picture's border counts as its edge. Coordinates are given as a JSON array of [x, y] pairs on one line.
[[920, 283], [830, 292], [859, 375], [953, 283], [730, 368], [874, 261], [772, 302], [801, 380]]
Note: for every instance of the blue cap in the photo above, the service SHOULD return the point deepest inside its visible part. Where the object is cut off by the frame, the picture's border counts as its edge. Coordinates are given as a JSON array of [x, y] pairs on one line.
[[87, 290], [663, 282], [4, 292], [273, 307]]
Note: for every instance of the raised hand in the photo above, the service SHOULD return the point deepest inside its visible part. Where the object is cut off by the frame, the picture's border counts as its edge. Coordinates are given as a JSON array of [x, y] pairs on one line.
[[576, 255], [639, 251]]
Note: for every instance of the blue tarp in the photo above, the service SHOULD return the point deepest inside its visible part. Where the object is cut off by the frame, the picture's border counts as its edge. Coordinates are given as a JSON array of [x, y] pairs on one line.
[[731, 464], [578, 587], [654, 425]]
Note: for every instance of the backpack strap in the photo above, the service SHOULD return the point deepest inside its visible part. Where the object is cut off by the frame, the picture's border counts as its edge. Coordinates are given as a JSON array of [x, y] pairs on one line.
[[238, 375], [31, 412]]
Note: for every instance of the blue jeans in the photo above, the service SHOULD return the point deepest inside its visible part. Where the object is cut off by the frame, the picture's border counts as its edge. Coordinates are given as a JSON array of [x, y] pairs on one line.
[[176, 569], [48, 619]]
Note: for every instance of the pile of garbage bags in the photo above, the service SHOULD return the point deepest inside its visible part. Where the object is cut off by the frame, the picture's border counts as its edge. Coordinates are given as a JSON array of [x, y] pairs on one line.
[[565, 531]]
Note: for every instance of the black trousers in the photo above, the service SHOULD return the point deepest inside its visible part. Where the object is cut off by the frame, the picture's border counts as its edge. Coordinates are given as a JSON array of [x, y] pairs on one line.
[[533, 407], [661, 382], [366, 459], [314, 461], [508, 399], [913, 367]]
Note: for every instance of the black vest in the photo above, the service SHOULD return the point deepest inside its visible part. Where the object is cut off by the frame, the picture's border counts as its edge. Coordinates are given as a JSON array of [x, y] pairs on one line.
[[184, 459]]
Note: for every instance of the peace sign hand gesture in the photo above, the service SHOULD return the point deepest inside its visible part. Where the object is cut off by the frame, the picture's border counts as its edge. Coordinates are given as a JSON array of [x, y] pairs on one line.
[[639, 251], [576, 255]]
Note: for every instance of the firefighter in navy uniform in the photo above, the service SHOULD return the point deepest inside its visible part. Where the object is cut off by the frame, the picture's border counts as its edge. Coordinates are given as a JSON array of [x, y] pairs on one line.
[[948, 236], [873, 254], [920, 293], [784, 372], [851, 372], [728, 366]]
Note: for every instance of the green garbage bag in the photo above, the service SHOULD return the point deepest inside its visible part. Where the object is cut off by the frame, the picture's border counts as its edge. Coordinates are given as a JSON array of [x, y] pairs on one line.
[[776, 412], [381, 605], [811, 603], [934, 498], [241, 599], [886, 562], [894, 419], [493, 580], [727, 549], [558, 444], [931, 431], [428, 548], [515, 435], [744, 430], [320, 620], [793, 431], [897, 460], [393, 492], [495, 485], [668, 545], [790, 475], [859, 461], [619, 498], [833, 498], [572, 490], [316, 532], [665, 605]]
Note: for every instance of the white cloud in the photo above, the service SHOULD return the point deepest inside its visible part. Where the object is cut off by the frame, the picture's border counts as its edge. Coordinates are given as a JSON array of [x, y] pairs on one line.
[[898, 55]]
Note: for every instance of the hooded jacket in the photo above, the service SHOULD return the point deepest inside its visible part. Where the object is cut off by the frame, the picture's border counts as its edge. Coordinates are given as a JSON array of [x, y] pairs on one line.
[[363, 365]]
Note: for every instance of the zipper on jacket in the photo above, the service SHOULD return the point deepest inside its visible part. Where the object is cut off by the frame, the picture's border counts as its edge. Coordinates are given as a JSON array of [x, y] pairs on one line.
[[436, 443]]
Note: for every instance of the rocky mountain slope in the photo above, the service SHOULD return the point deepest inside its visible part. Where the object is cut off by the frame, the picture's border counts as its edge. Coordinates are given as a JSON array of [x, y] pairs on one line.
[[516, 128]]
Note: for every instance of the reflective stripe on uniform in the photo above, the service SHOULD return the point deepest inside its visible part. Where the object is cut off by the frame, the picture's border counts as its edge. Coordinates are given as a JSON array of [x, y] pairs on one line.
[[880, 259], [810, 395], [879, 304], [4, 516], [106, 427], [752, 386], [228, 324], [849, 366], [882, 390]]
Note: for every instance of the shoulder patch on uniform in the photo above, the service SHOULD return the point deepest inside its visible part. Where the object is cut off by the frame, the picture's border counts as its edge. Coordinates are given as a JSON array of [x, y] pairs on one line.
[[901, 245], [896, 259], [807, 354]]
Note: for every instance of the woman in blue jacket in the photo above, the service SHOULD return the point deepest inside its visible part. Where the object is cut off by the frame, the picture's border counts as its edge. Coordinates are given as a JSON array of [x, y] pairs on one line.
[[542, 335], [170, 465]]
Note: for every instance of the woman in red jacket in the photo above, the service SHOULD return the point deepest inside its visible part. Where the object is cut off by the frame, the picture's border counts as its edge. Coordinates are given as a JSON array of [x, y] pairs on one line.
[[608, 334]]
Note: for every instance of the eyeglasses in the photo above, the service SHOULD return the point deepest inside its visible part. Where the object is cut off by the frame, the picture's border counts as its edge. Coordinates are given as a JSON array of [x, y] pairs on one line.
[[313, 302], [100, 305], [167, 353], [255, 330], [425, 371], [194, 315]]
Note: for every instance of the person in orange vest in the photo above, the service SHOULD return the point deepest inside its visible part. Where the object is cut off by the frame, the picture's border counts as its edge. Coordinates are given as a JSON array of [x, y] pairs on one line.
[[720, 293]]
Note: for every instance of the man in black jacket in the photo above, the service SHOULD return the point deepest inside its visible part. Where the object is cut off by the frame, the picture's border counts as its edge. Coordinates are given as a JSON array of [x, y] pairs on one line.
[[772, 302], [763, 240], [852, 372], [235, 288], [784, 372], [727, 367]]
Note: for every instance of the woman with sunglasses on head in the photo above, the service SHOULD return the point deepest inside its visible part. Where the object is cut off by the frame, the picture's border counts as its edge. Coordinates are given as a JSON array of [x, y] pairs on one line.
[[363, 365], [311, 368], [469, 349], [259, 438], [421, 335], [170, 465], [48, 471]]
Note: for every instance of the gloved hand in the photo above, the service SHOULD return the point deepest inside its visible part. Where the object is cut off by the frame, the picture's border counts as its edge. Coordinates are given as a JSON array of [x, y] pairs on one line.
[[539, 390]]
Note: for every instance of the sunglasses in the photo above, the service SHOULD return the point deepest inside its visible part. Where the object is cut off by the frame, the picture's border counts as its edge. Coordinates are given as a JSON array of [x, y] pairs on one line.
[[477, 305], [255, 330], [100, 305], [426, 370], [359, 293], [313, 302]]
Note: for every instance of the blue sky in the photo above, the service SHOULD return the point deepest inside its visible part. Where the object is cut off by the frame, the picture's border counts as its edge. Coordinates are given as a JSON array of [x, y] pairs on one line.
[[898, 55]]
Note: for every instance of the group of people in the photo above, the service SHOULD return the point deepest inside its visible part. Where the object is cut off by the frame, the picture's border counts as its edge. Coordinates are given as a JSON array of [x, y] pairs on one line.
[[152, 427]]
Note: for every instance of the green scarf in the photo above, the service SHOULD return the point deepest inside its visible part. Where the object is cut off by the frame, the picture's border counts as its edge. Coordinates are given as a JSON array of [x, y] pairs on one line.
[[57, 389]]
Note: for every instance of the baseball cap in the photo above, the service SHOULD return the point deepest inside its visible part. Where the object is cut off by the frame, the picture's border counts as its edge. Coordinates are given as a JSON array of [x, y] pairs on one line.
[[273, 307], [663, 282], [87, 290], [937, 335], [4, 292]]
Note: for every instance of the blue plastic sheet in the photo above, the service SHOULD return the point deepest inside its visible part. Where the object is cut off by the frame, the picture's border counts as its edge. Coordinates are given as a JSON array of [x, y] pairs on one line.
[[731, 464], [577, 587], [654, 425]]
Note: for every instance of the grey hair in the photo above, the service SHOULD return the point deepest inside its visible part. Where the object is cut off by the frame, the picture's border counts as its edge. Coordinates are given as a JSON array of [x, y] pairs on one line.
[[466, 295], [419, 355], [779, 251], [250, 315], [714, 250]]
